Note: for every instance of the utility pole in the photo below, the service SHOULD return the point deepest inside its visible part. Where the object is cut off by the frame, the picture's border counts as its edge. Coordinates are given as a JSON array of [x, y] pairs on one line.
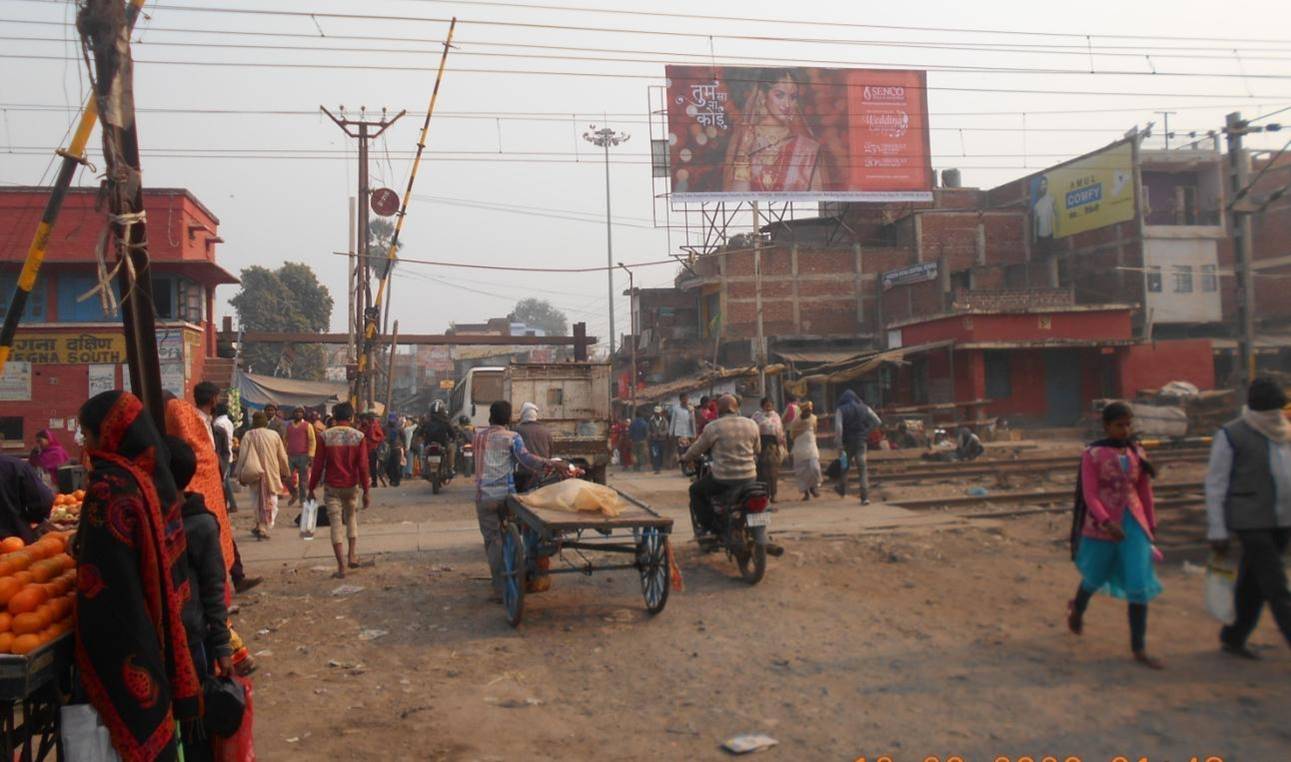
[[632, 316], [351, 272], [760, 350], [1239, 175], [1165, 128], [102, 24], [605, 137], [363, 130], [394, 345]]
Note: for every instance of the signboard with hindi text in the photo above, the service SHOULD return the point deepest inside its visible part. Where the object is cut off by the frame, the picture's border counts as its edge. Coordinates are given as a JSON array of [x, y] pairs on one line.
[[15, 381], [797, 134], [70, 348]]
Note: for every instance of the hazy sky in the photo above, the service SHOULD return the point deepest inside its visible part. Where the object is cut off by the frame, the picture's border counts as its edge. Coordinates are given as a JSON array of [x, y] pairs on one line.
[[525, 188]]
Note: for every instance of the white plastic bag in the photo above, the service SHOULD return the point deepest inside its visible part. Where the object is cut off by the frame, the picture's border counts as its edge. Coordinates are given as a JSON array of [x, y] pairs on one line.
[[308, 519], [1221, 579], [84, 739]]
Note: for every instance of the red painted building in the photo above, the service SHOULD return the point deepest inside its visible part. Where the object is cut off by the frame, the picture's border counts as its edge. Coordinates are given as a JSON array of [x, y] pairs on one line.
[[69, 346]]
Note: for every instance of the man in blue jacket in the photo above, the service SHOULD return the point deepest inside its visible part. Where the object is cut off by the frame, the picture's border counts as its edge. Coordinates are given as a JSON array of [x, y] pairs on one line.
[[854, 420]]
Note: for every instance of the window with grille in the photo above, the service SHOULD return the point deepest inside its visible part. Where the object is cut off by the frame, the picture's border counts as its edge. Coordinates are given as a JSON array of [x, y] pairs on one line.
[[1183, 279]]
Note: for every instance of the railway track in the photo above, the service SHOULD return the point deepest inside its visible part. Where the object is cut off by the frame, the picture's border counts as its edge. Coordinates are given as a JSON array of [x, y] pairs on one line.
[[1177, 493]]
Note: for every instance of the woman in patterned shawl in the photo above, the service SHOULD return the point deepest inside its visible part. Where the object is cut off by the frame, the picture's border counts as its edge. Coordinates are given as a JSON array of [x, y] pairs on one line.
[[131, 648]]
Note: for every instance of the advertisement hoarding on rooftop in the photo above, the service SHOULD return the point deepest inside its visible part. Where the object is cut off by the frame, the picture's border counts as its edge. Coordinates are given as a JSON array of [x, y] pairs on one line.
[[798, 134]]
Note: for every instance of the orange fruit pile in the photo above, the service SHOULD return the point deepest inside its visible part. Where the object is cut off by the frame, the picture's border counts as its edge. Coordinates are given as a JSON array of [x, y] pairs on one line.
[[37, 592]]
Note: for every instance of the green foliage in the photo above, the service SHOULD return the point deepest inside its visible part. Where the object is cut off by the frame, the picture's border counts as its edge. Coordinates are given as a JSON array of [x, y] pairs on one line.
[[290, 300], [380, 234], [540, 313]]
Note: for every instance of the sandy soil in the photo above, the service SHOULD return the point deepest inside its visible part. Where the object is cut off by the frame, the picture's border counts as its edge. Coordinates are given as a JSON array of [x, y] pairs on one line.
[[928, 642]]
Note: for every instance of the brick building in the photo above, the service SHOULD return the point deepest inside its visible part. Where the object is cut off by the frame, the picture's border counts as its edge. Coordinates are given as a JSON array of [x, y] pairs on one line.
[[67, 347], [985, 302]]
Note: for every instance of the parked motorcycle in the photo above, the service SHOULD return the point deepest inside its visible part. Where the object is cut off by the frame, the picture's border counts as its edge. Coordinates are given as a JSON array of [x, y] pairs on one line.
[[741, 522]]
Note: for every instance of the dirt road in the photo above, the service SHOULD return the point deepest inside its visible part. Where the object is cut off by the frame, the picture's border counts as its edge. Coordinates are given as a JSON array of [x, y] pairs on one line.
[[880, 632]]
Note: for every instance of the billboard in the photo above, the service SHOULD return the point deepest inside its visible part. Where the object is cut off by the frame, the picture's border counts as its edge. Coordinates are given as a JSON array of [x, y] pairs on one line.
[[1088, 193], [798, 134]]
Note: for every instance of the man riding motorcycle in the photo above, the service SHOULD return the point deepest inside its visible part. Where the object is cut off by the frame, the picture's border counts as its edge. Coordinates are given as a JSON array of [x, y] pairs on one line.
[[439, 429], [734, 443]]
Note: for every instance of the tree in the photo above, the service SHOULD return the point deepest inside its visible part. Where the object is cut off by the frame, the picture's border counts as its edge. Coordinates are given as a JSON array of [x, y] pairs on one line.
[[540, 313], [380, 234], [287, 300]]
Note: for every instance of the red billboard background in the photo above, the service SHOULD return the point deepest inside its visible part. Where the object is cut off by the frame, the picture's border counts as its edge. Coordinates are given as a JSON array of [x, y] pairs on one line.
[[797, 134]]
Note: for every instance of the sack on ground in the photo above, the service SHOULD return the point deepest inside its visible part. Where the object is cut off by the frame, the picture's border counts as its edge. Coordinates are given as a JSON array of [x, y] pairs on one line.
[[1221, 579], [84, 739], [308, 517]]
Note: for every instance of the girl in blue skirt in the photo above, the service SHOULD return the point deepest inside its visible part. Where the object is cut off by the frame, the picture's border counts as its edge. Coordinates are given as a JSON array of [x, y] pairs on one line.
[[1114, 526]]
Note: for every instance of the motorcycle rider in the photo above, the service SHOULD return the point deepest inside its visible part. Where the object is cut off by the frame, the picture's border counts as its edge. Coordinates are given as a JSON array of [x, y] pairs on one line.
[[438, 428], [735, 443]]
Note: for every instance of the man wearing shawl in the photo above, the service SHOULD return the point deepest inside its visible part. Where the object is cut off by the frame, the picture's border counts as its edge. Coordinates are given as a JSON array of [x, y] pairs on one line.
[[48, 455], [1248, 494], [131, 648]]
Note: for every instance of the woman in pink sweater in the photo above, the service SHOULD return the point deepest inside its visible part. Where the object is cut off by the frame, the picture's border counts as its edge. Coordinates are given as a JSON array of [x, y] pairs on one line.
[[1113, 528]]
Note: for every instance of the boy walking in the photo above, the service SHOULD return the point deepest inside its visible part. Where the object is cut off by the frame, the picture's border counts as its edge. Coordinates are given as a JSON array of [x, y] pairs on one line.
[[341, 463]]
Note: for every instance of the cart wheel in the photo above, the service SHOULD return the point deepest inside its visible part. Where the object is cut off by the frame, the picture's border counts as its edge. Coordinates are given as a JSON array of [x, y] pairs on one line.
[[652, 560], [513, 574]]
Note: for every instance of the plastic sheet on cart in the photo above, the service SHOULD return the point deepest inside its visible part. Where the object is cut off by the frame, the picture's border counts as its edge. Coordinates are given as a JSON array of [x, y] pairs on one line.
[[576, 496]]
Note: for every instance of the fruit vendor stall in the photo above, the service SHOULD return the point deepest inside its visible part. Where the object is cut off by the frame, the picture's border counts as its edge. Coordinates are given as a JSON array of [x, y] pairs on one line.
[[37, 601]]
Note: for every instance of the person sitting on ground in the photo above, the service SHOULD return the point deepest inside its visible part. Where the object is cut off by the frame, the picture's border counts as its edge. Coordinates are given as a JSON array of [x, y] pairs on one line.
[[968, 446], [205, 614], [341, 464], [735, 444]]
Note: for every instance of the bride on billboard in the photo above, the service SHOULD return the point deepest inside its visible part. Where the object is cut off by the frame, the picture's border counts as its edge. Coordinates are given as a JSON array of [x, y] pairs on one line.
[[773, 149]]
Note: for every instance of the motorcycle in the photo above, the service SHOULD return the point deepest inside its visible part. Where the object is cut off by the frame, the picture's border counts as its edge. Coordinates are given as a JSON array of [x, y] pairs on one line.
[[436, 467], [741, 524]]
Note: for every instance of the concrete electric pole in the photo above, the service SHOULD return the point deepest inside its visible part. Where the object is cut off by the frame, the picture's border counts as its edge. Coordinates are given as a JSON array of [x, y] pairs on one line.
[[1239, 178]]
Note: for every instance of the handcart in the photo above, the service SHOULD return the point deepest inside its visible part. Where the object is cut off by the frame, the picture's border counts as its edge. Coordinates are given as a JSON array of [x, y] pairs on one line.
[[530, 534], [32, 689]]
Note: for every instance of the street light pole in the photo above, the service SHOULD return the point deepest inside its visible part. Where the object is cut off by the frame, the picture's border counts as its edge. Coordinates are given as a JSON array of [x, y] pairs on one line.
[[605, 137]]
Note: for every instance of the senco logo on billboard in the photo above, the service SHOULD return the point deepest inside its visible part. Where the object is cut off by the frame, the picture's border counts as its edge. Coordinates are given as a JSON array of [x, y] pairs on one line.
[[884, 93]]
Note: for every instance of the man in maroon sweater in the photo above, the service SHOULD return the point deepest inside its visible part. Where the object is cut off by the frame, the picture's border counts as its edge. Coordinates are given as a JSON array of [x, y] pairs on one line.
[[341, 463]]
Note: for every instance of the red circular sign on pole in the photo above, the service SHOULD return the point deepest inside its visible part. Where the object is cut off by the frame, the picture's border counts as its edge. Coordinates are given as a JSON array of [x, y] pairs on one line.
[[384, 202]]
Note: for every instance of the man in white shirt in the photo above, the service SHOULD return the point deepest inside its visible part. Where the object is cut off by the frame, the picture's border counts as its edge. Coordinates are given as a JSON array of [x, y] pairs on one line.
[[1044, 211], [681, 428], [1248, 494]]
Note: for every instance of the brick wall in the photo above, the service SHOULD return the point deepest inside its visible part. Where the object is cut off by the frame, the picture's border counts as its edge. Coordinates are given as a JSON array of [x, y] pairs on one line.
[[1150, 366]]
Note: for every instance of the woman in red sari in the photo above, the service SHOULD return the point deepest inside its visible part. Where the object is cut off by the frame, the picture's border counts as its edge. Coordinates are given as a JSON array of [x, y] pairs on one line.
[[131, 648], [773, 149]]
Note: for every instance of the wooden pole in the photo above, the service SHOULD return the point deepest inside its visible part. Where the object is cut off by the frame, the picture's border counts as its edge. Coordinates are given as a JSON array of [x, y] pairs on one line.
[[73, 157], [102, 24], [394, 345]]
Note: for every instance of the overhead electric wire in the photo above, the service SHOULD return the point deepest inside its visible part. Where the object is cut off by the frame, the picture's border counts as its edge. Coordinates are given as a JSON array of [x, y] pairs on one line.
[[620, 59], [1084, 49], [518, 269], [851, 24], [626, 75], [565, 119], [567, 27]]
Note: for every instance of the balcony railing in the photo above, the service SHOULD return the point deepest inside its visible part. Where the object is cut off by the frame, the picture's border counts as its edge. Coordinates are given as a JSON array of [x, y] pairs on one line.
[[1183, 217]]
